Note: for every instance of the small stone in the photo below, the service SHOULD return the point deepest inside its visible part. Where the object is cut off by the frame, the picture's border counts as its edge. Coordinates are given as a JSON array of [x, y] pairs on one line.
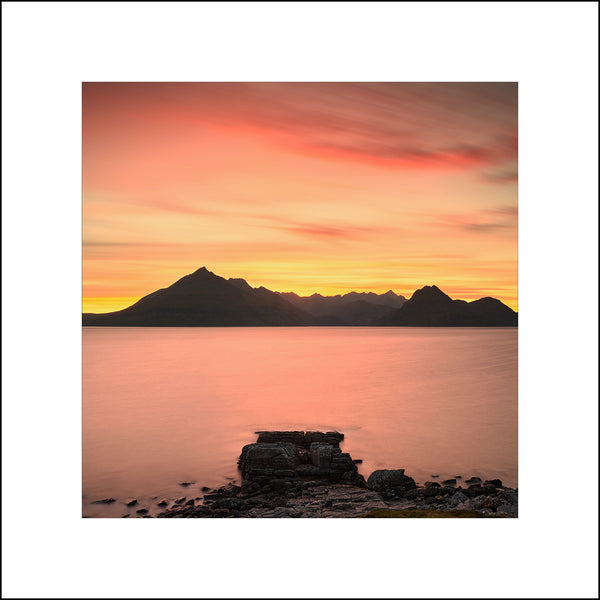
[[131, 502], [141, 511], [495, 482], [205, 488], [104, 501], [180, 500], [449, 482], [430, 484], [163, 502], [509, 509], [186, 483], [474, 480], [435, 475], [190, 502]]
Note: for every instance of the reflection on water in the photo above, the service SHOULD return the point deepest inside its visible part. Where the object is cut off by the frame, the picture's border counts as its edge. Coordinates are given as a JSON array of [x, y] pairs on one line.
[[169, 405]]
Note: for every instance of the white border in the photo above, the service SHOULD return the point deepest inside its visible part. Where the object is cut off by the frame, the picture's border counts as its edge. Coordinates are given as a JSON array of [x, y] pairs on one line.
[[549, 48]]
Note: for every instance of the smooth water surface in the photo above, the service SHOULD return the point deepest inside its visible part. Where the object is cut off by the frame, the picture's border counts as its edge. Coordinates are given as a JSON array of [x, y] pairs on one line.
[[168, 405]]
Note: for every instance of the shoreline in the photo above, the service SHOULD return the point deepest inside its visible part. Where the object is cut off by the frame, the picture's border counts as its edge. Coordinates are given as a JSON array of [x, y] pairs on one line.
[[296, 474]]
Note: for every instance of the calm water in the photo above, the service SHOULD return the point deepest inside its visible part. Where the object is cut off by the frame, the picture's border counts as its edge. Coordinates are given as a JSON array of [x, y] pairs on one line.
[[168, 405]]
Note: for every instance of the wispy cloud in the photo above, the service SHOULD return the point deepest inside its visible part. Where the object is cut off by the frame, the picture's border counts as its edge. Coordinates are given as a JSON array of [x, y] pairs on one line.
[[429, 124], [487, 221]]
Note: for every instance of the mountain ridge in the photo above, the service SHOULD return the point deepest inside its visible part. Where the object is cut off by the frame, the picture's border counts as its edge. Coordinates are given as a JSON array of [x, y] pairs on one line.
[[205, 299]]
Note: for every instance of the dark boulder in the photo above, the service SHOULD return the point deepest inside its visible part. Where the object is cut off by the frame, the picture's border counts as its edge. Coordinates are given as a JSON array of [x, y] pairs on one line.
[[495, 482], [332, 463], [265, 459], [300, 438], [392, 481], [330, 437]]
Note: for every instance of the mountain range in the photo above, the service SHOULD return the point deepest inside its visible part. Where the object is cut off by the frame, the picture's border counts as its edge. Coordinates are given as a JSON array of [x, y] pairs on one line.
[[204, 299]]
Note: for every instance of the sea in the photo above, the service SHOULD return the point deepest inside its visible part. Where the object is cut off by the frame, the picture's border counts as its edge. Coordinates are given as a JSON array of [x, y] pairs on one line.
[[169, 405]]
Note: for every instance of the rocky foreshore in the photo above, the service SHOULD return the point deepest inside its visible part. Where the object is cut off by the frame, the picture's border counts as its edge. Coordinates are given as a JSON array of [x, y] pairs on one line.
[[291, 474]]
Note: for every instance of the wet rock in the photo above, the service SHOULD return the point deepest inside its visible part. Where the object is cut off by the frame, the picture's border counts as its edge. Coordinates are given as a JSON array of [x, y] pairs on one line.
[[458, 498], [131, 502], [511, 498], [321, 454], [250, 487], [276, 437], [264, 459], [330, 437], [308, 471], [480, 490], [495, 482], [491, 503], [507, 509], [385, 478], [300, 439], [390, 481], [303, 456], [431, 491]]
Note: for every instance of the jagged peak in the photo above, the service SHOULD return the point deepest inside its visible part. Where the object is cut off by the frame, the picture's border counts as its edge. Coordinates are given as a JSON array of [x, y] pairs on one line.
[[430, 291]]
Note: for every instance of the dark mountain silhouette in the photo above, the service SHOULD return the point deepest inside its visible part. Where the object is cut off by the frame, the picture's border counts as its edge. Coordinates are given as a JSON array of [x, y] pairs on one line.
[[205, 299], [430, 307], [354, 308]]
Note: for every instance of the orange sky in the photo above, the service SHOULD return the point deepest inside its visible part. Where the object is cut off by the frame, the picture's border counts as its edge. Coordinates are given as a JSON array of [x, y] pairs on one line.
[[304, 187]]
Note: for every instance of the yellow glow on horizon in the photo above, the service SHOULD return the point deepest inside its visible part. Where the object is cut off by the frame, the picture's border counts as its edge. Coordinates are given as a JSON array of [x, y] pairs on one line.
[[108, 304]]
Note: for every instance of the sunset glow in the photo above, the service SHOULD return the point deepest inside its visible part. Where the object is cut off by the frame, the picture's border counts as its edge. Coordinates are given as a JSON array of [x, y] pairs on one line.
[[304, 187]]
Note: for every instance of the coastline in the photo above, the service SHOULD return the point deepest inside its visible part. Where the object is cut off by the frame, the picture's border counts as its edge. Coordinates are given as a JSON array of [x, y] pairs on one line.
[[298, 474]]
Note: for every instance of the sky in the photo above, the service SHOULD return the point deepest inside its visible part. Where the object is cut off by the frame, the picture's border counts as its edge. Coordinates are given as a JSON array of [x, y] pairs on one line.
[[303, 187]]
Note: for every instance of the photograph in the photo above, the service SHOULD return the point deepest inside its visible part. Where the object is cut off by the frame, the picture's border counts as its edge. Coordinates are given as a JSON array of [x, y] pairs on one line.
[[300, 268], [300, 299]]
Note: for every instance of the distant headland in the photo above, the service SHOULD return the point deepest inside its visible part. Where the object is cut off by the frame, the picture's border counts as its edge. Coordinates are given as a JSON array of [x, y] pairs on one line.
[[203, 299]]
